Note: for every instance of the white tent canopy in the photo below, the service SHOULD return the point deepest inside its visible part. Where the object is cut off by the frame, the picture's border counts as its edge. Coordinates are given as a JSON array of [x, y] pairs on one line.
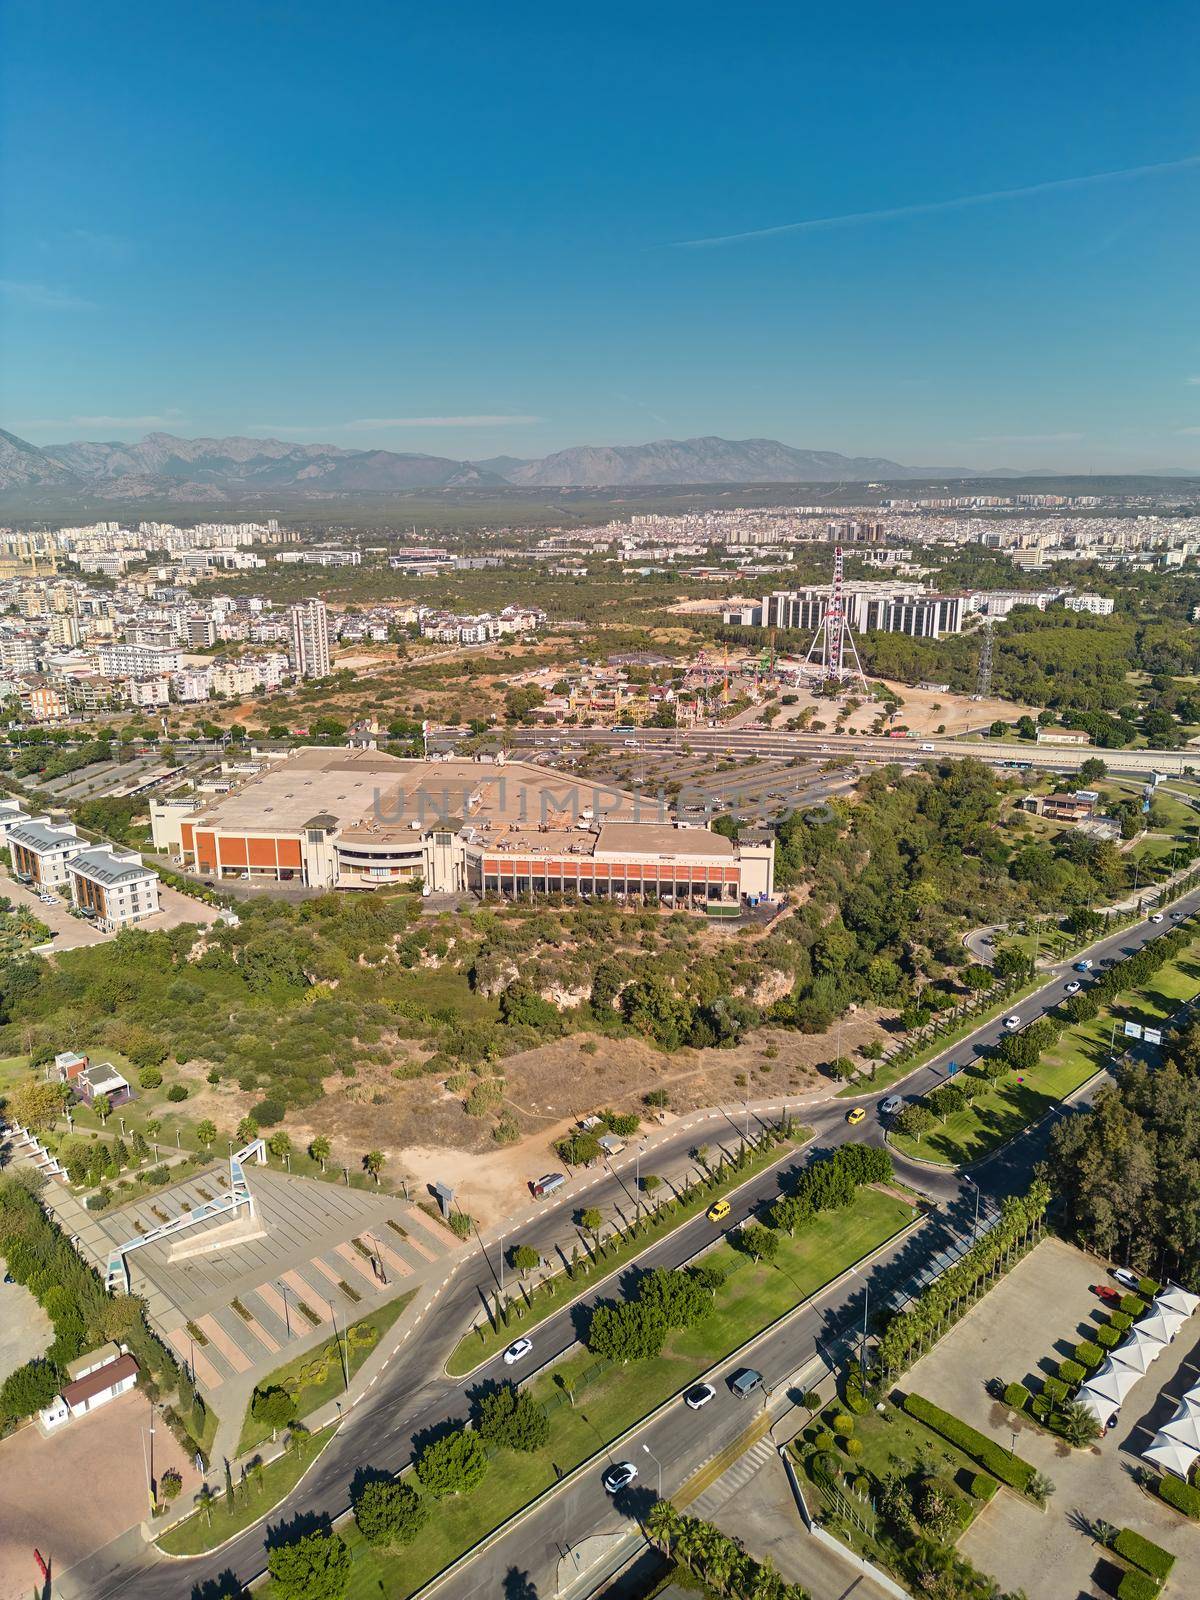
[[1137, 1350], [1173, 1298], [1104, 1394], [1184, 1426], [1160, 1323], [1170, 1455]]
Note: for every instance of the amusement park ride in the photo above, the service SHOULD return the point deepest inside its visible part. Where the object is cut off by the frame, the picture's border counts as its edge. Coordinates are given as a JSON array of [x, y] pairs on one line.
[[832, 662]]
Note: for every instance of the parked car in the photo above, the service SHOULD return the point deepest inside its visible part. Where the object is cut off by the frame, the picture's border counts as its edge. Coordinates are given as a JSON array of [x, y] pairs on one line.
[[855, 1115], [517, 1351], [1124, 1276], [1106, 1292], [890, 1106], [619, 1476], [696, 1399], [1073, 987], [1012, 1023], [718, 1211]]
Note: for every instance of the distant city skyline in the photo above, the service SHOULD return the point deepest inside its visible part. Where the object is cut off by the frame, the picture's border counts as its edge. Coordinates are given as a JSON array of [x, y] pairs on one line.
[[940, 237]]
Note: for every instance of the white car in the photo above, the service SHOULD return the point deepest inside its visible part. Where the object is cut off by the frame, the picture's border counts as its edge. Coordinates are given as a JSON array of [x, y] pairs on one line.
[[1012, 1023], [890, 1106], [696, 1399], [619, 1477], [1130, 1280], [1157, 917], [517, 1351], [1073, 987]]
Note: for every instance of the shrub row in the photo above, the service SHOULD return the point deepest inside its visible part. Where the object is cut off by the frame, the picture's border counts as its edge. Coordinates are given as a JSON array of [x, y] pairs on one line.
[[1144, 1553], [1184, 1497], [1010, 1469], [1137, 1586]]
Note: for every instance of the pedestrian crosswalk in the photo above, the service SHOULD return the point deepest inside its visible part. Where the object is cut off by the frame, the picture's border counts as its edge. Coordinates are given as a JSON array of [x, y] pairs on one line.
[[731, 1480]]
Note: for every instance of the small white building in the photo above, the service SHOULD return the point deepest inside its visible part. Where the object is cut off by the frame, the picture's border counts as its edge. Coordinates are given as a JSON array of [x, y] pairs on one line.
[[96, 1378], [1100, 605]]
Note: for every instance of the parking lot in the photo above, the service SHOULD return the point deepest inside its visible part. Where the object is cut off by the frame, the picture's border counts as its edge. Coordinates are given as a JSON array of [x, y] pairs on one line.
[[71, 933], [72, 1493], [1020, 1331]]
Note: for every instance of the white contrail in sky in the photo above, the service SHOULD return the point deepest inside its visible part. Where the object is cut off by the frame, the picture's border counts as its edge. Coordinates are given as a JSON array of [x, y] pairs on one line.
[[927, 207]]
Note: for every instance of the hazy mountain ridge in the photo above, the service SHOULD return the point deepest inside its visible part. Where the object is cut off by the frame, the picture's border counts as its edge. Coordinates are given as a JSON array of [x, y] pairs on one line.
[[163, 466]]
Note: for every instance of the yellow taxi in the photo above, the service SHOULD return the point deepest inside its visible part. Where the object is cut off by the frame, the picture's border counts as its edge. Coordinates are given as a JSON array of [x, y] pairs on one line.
[[855, 1115], [718, 1211]]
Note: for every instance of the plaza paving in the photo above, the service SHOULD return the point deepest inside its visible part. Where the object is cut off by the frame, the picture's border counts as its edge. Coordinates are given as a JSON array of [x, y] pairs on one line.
[[25, 1329], [302, 1261]]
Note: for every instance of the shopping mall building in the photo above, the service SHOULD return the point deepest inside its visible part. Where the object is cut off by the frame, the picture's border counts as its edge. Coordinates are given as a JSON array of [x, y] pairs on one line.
[[361, 819]]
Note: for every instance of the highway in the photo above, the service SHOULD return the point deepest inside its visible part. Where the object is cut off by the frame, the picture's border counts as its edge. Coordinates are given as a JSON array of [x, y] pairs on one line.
[[766, 742], [414, 1393]]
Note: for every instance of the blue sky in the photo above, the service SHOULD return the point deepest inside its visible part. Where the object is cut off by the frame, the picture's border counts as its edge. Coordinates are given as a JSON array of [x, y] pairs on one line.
[[466, 229]]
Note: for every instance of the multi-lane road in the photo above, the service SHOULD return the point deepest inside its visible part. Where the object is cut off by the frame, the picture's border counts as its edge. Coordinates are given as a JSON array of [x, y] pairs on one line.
[[768, 742], [414, 1393]]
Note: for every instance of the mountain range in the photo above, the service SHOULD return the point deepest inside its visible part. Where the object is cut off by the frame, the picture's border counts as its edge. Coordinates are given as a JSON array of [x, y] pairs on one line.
[[163, 466]]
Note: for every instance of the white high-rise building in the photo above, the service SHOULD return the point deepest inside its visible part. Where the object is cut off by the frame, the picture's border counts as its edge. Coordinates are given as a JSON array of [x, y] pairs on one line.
[[310, 639]]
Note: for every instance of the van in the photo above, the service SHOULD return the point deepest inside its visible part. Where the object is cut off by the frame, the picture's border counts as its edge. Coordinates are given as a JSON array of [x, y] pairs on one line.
[[1083, 966], [745, 1382], [548, 1184]]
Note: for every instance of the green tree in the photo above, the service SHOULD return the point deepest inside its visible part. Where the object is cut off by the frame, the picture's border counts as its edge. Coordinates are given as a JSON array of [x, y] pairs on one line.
[[511, 1417], [626, 1331], [452, 1465], [914, 1120], [762, 1244], [525, 1258], [320, 1149], [389, 1513], [206, 1132], [35, 1105], [247, 1131], [314, 1567], [102, 1106], [279, 1144], [373, 1163], [592, 1221], [274, 1407]]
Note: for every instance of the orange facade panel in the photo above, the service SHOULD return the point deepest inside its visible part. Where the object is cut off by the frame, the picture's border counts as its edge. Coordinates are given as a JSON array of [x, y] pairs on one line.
[[206, 850], [289, 853], [233, 850], [186, 830], [261, 852]]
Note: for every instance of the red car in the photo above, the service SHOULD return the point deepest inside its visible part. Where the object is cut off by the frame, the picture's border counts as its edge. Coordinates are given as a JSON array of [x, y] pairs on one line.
[[1105, 1292]]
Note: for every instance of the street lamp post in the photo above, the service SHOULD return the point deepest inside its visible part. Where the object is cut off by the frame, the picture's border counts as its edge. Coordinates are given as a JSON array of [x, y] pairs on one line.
[[282, 1287], [344, 1356], [658, 1464]]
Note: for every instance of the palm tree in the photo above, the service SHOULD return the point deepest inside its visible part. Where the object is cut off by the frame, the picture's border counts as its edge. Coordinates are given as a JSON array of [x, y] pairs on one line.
[[373, 1163], [206, 1132], [1077, 1424], [662, 1524], [204, 1499], [319, 1150]]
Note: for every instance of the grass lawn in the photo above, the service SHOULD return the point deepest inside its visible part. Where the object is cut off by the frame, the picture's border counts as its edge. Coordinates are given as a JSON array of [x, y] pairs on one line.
[[753, 1297], [199, 1533], [311, 1396], [564, 1287], [890, 1441], [12, 1070], [1001, 1110]]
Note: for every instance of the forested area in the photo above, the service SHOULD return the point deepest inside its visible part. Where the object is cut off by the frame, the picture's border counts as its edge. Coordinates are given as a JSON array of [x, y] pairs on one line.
[[1128, 1169]]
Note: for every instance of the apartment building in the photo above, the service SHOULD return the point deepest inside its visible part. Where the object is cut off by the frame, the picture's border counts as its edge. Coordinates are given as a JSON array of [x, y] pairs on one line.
[[113, 886], [41, 849], [310, 639]]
